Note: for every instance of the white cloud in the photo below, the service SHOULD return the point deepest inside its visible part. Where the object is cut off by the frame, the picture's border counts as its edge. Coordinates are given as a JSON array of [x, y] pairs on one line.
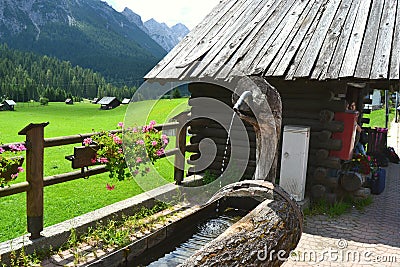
[[188, 12]]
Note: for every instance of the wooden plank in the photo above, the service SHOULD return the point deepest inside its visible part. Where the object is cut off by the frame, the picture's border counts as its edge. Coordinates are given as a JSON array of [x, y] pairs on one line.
[[265, 37], [229, 42], [395, 58], [268, 51], [308, 60], [195, 50], [331, 40], [194, 36], [293, 56], [366, 56], [380, 65], [243, 48], [352, 50], [298, 31]]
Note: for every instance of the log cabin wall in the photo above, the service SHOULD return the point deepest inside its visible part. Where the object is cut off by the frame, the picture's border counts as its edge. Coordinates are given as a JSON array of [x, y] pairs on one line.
[[314, 104], [304, 103], [205, 127]]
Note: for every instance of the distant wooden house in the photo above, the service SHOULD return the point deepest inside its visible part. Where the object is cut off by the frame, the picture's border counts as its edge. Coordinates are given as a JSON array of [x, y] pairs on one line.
[[109, 103], [95, 100], [69, 101], [8, 105], [126, 101], [317, 54]]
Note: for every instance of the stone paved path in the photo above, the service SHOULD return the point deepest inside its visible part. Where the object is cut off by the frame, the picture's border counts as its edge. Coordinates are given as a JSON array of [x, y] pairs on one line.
[[368, 238]]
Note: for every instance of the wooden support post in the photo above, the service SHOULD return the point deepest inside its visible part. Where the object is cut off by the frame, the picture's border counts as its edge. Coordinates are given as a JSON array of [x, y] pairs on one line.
[[179, 164], [34, 176]]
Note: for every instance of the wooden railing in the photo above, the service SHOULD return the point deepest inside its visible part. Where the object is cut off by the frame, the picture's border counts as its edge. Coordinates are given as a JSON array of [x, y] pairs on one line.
[[35, 144]]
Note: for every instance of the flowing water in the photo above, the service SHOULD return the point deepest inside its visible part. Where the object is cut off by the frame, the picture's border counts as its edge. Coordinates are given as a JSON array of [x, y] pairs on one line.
[[206, 232], [227, 143]]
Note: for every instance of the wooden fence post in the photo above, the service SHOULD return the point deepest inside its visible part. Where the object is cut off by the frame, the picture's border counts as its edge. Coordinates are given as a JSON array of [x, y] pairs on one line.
[[34, 176], [179, 163]]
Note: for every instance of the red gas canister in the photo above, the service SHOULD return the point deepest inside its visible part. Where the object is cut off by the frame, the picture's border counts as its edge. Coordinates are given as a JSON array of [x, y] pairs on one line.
[[349, 118]]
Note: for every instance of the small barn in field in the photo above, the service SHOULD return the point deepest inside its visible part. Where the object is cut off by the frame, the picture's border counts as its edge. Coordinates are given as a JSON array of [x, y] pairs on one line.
[[69, 101], [126, 101], [108, 103], [318, 54], [8, 105], [95, 100]]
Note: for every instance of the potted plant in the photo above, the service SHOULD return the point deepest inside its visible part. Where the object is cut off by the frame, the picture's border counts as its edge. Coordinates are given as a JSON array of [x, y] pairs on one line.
[[145, 145], [10, 163]]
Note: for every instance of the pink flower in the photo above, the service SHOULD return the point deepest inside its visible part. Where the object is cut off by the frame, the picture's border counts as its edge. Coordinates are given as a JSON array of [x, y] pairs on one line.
[[135, 130], [135, 172], [160, 152], [120, 151], [110, 187], [13, 147], [120, 124], [102, 160], [1, 150], [140, 142], [153, 143], [138, 159], [93, 160], [87, 141], [20, 169], [152, 123], [13, 176], [22, 147], [117, 140]]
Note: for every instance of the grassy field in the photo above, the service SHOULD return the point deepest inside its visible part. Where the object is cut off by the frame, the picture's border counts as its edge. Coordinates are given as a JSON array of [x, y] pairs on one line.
[[71, 199], [378, 118]]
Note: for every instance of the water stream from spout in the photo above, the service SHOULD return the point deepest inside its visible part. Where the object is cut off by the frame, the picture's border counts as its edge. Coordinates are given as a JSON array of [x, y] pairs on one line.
[[227, 143], [224, 158]]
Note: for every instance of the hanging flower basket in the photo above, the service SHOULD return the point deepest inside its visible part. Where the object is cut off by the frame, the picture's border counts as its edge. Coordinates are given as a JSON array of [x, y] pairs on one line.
[[10, 168]]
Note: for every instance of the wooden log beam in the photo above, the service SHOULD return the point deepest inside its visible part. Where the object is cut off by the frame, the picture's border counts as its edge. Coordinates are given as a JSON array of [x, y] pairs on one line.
[[331, 144], [320, 153], [322, 136], [316, 126], [321, 95], [221, 133], [330, 162], [194, 139], [318, 191], [312, 105], [351, 181], [208, 123], [322, 116]]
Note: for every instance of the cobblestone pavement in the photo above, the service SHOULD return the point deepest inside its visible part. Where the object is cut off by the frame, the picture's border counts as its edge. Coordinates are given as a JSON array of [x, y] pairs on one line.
[[367, 238]]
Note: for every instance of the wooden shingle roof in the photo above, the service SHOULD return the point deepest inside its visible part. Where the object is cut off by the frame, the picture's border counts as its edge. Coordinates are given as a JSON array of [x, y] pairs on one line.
[[314, 39]]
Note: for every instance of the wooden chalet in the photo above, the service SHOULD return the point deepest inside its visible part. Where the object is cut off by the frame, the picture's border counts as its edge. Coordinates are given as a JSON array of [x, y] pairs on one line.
[[109, 102], [319, 54], [69, 101], [95, 100], [8, 105]]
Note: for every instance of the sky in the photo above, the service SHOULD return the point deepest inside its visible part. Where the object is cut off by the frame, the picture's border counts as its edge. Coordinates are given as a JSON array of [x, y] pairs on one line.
[[188, 12]]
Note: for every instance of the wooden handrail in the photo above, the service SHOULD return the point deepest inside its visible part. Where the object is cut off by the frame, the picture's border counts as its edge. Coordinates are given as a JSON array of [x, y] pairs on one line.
[[14, 189]]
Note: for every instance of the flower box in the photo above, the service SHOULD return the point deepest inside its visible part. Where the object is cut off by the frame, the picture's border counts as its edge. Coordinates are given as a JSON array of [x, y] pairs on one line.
[[7, 174], [83, 156]]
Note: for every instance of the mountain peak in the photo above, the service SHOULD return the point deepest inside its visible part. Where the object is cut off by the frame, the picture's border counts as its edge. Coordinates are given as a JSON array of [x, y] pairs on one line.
[[166, 36]]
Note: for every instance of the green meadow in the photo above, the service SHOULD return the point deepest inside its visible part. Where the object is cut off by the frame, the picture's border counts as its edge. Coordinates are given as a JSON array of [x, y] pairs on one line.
[[67, 200]]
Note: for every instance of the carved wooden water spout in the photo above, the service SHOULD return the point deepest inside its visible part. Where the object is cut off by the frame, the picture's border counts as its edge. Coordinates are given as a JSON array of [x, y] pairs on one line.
[[264, 113]]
